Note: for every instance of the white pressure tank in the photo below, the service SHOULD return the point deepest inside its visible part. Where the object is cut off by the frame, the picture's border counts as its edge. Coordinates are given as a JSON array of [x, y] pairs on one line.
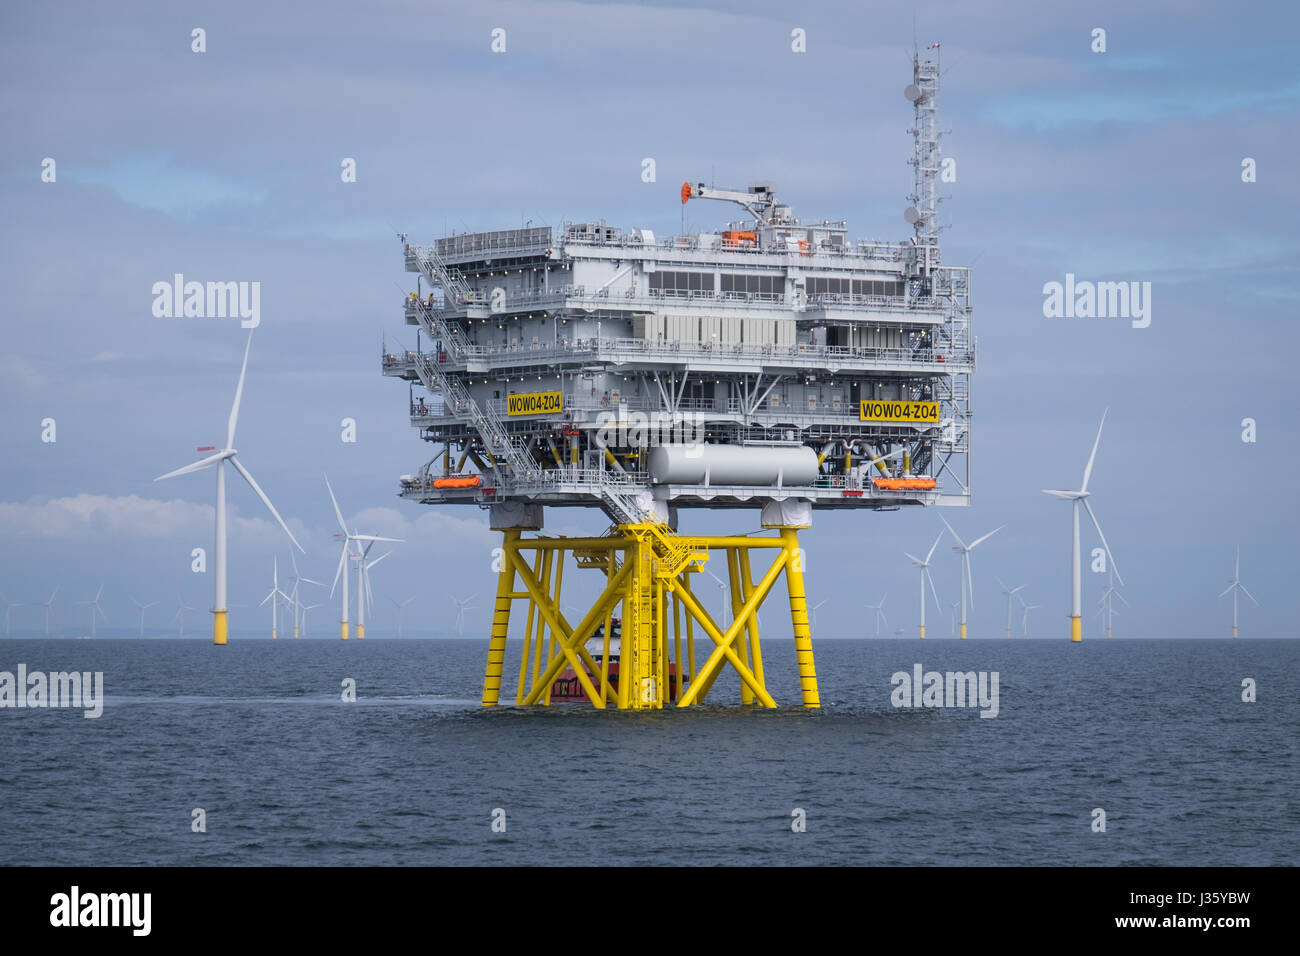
[[754, 465]]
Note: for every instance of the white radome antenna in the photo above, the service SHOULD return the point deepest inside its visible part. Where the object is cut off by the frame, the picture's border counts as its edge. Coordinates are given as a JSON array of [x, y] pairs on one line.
[[1076, 565], [220, 459], [967, 583], [1234, 586], [927, 576]]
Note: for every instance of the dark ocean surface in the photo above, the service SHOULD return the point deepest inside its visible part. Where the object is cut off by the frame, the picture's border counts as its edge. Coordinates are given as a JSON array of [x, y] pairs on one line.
[[256, 733]]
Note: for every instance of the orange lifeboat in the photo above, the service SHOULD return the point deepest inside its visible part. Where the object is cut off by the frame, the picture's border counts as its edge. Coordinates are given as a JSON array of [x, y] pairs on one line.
[[906, 484], [457, 481]]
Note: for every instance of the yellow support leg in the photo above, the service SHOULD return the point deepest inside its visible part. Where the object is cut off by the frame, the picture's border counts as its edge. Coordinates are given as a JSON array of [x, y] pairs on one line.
[[1076, 629], [799, 616], [500, 622], [219, 627], [738, 596], [755, 642]]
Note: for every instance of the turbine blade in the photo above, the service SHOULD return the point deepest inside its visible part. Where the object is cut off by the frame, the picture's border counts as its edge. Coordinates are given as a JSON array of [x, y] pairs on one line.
[[1063, 495], [970, 583], [933, 546], [915, 559], [196, 466], [1122, 598], [266, 501], [377, 560], [1249, 595], [375, 537], [337, 513], [954, 533], [1113, 566], [239, 393], [929, 577], [977, 541], [1227, 589], [343, 557], [1087, 472]]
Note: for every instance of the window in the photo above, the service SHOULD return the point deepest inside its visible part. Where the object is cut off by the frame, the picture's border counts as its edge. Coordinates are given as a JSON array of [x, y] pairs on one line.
[[758, 284], [680, 283]]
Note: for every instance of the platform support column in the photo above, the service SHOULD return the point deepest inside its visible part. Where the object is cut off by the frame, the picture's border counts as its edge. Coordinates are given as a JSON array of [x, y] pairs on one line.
[[500, 621], [799, 617]]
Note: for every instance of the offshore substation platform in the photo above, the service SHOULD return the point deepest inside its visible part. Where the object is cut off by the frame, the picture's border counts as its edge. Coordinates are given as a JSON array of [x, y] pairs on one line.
[[772, 365]]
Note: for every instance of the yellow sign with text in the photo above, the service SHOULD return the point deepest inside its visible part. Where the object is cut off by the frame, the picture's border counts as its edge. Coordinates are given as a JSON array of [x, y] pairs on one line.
[[535, 403], [899, 413]]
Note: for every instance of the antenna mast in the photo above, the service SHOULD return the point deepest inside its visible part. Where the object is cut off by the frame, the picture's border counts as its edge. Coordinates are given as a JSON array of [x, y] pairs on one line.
[[923, 213]]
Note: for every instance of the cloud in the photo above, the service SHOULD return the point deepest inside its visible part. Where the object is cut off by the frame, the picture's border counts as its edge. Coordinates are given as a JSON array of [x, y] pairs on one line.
[[128, 517]]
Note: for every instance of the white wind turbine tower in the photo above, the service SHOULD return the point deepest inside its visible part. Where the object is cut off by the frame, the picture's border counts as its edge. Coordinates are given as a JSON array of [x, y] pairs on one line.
[[1009, 592], [297, 604], [305, 609], [95, 609], [219, 459], [1107, 602], [9, 606], [274, 593], [365, 599], [344, 555], [142, 608], [952, 618], [399, 605], [880, 614], [926, 576], [48, 604], [967, 585], [461, 607], [1076, 566], [1234, 586], [181, 608], [1024, 624]]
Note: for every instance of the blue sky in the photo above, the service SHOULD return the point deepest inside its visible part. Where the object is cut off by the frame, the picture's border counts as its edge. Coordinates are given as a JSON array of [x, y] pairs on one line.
[[225, 166]]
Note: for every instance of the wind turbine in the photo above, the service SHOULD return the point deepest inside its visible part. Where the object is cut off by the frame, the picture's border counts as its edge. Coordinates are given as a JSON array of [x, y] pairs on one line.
[[344, 555], [305, 609], [48, 604], [1009, 592], [274, 592], [968, 587], [1025, 621], [880, 614], [181, 608], [219, 459], [9, 605], [461, 607], [399, 605], [952, 619], [1234, 586], [1076, 567], [925, 575], [725, 590], [95, 609], [1107, 602], [365, 599], [142, 608], [297, 604]]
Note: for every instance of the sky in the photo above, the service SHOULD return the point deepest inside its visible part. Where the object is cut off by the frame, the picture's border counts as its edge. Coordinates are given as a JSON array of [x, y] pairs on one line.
[[1123, 165]]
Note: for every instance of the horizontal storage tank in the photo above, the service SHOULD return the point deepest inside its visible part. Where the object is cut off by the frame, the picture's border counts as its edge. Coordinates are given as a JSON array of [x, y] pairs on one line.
[[732, 465]]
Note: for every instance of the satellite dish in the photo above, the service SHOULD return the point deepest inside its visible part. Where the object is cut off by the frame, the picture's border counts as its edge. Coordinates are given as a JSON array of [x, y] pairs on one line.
[[912, 215], [913, 92]]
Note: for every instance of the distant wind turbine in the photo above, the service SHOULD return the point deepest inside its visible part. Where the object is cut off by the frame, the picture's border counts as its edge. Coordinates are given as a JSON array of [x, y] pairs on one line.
[[1025, 621], [95, 609], [1076, 567], [48, 604], [142, 608], [1009, 592], [399, 605], [344, 556], [181, 608], [219, 459], [9, 605], [274, 593], [461, 607], [1234, 586], [1107, 602], [305, 609], [366, 599], [926, 576], [297, 604], [967, 585], [880, 614]]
